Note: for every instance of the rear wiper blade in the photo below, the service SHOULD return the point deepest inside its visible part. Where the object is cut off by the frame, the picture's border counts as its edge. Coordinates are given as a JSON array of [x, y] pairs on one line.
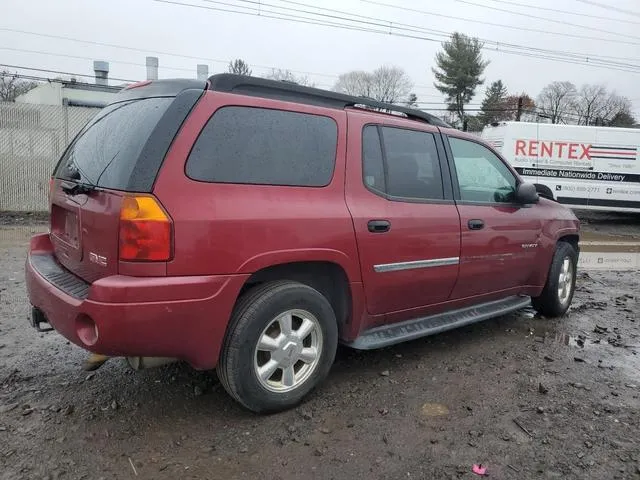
[[78, 188]]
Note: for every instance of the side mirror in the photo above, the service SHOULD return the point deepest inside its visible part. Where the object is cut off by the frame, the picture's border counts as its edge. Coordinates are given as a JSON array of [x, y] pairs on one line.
[[527, 194]]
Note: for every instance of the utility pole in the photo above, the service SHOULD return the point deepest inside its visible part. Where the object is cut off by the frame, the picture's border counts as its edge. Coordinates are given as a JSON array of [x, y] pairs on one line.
[[519, 111]]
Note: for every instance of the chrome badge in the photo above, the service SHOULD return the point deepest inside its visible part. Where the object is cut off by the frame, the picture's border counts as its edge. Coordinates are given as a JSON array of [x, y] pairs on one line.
[[98, 259]]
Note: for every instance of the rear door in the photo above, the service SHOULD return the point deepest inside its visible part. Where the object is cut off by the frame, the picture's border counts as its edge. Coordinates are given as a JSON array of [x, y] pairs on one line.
[[119, 151], [406, 223], [500, 239]]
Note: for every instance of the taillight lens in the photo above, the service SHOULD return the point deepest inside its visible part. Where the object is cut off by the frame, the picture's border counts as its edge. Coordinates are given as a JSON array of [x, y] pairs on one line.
[[145, 230]]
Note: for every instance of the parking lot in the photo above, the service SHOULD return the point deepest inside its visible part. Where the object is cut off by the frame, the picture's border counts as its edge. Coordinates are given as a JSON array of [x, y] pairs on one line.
[[525, 396]]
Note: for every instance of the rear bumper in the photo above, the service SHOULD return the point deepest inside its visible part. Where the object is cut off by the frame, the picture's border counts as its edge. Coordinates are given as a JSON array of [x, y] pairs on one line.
[[179, 317]]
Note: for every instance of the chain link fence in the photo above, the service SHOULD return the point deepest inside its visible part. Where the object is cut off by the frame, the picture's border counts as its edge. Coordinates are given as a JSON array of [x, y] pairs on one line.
[[32, 138]]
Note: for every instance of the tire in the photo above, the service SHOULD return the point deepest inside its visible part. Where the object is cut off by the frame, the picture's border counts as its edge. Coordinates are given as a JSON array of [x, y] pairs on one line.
[[554, 302], [265, 311]]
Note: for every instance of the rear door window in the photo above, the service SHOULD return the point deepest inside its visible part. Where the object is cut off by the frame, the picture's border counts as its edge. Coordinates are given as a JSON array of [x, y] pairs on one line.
[[259, 146], [107, 149], [409, 168]]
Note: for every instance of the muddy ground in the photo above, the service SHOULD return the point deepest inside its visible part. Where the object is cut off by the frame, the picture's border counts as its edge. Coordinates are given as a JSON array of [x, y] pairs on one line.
[[527, 397]]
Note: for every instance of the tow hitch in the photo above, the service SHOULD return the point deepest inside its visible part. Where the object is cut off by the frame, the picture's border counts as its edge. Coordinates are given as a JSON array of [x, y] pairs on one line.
[[37, 317]]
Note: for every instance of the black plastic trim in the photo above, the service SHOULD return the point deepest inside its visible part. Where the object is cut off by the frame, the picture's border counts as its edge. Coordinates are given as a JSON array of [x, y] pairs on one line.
[[148, 165], [47, 266], [292, 92]]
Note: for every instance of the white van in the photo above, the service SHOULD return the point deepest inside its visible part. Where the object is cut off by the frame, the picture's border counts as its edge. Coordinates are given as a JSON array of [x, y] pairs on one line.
[[595, 168]]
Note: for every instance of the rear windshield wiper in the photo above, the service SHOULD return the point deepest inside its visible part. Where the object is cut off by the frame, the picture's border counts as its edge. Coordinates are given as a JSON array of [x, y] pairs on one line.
[[78, 188]]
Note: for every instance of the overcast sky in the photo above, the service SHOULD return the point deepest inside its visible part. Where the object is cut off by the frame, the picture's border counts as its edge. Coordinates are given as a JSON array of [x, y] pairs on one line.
[[148, 27]]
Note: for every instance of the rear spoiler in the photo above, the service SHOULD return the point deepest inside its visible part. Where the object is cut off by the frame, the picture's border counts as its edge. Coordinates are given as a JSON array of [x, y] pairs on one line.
[[158, 88]]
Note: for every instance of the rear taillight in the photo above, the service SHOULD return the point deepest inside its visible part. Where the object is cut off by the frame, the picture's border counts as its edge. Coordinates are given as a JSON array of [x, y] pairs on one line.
[[51, 185], [145, 230]]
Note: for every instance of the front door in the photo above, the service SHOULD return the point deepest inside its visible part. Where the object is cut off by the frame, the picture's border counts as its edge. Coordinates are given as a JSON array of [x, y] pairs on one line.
[[500, 239], [406, 222]]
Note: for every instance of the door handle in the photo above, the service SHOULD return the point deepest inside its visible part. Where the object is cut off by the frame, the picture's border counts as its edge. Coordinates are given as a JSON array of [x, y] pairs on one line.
[[476, 224], [379, 226]]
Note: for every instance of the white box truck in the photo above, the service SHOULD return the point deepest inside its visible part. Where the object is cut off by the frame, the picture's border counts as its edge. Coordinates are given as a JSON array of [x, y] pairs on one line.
[[595, 168]]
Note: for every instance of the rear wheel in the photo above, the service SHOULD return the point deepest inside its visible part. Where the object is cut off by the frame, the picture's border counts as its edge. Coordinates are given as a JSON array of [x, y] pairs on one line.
[[280, 344], [558, 291]]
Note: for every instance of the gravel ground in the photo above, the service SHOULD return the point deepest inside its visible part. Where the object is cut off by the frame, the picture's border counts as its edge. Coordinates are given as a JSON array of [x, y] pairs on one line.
[[527, 397]]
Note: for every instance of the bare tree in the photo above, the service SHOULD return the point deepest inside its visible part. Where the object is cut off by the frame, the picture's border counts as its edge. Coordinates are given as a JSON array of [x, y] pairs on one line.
[[391, 84], [12, 86], [596, 106], [557, 101], [239, 67], [357, 83], [288, 76], [384, 84]]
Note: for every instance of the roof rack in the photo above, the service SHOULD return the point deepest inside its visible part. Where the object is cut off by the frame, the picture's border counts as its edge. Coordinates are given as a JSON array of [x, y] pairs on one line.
[[293, 92]]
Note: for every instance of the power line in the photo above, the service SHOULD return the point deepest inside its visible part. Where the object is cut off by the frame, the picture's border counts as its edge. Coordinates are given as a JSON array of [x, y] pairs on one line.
[[60, 72], [552, 20], [567, 12], [40, 52], [610, 7], [502, 25], [111, 45], [395, 24], [498, 46], [391, 24]]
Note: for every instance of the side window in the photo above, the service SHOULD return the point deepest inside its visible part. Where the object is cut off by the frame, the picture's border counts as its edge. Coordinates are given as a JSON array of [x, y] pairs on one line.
[[482, 176], [265, 147], [372, 163], [409, 168]]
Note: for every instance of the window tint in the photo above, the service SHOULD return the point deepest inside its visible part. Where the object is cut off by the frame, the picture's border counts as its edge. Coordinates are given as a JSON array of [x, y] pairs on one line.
[[267, 147], [482, 176], [413, 170], [373, 168], [106, 151]]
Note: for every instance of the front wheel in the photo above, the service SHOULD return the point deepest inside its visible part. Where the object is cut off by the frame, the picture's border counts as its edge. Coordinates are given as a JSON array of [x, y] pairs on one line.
[[558, 291], [281, 343]]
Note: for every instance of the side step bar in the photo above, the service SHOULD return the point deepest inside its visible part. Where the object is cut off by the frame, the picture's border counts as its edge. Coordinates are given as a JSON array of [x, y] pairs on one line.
[[421, 327]]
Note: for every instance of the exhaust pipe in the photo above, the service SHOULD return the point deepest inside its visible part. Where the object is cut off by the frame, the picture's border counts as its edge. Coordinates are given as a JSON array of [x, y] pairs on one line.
[[142, 363]]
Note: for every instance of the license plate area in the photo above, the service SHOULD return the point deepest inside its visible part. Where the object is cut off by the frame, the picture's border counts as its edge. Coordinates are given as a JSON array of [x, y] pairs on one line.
[[65, 226]]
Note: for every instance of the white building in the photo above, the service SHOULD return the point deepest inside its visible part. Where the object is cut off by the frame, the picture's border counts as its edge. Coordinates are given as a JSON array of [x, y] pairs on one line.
[[74, 93], [81, 94]]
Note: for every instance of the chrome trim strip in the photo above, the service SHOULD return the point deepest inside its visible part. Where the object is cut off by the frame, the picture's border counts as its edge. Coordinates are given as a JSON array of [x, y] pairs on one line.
[[434, 262]]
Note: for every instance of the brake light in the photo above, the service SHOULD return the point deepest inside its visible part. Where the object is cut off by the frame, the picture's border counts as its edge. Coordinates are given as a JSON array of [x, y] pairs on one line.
[[145, 230], [51, 184], [137, 84]]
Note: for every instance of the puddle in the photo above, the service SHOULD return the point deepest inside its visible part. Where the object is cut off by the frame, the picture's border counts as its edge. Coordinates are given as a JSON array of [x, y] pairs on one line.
[[580, 341], [609, 261], [605, 349], [609, 252], [434, 410]]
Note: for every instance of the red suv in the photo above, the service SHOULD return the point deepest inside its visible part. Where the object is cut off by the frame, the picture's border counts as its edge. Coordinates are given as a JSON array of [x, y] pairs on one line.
[[250, 225]]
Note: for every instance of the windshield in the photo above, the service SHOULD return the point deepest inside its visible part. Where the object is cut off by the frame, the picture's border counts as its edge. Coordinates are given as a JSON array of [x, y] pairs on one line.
[[106, 151]]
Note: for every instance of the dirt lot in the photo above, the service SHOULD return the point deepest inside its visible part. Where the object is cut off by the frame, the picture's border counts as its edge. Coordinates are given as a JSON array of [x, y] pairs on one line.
[[527, 397]]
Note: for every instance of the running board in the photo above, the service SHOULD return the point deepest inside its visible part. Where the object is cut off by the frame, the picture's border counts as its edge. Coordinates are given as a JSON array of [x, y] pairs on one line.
[[421, 327]]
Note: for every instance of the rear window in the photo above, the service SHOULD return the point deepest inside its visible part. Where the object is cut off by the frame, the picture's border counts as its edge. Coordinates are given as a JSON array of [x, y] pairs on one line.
[[250, 145], [106, 151]]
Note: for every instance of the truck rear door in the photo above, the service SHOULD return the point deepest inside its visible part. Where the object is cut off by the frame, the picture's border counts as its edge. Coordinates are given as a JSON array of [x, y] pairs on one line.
[[406, 223]]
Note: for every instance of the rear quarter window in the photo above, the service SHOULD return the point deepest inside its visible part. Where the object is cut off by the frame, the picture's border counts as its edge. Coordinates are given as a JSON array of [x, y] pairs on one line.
[[249, 145]]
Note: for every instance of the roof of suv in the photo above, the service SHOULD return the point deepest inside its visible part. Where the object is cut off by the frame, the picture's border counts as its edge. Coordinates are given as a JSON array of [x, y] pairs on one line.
[[292, 92]]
